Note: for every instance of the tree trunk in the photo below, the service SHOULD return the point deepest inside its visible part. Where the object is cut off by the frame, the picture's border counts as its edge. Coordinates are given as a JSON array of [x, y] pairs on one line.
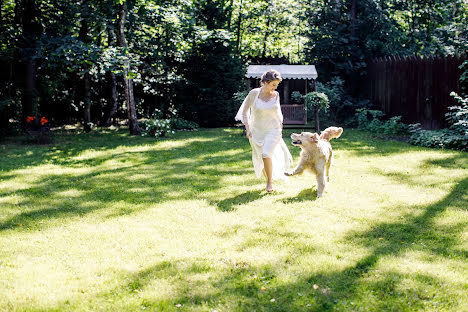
[[265, 38], [413, 21], [231, 2], [128, 82], [238, 32], [316, 110], [1, 16], [83, 34], [353, 18], [29, 96], [87, 102], [336, 7], [317, 121], [111, 109], [383, 5], [17, 17], [31, 30]]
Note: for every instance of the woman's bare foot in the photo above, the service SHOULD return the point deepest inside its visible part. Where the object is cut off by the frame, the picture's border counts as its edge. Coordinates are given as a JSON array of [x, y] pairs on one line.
[[269, 188]]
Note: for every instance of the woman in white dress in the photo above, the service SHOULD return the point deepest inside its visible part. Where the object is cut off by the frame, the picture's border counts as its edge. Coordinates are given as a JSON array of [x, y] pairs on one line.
[[261, 115]]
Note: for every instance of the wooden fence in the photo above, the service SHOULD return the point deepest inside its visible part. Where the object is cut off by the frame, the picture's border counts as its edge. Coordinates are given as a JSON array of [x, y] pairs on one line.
[[416, 88]]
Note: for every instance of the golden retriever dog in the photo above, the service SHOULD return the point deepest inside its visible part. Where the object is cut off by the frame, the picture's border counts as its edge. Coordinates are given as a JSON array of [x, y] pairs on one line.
[[316, 155]]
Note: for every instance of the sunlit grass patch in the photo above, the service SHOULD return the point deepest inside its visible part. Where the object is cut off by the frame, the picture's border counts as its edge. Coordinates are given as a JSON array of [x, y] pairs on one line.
[[109, 222]]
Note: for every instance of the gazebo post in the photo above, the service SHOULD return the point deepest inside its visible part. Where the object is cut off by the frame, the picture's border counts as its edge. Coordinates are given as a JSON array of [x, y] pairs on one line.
[[317, 125], [285, 91]]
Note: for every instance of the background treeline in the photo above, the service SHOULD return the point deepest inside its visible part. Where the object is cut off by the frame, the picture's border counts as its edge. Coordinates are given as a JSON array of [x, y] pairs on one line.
[[93, 61]]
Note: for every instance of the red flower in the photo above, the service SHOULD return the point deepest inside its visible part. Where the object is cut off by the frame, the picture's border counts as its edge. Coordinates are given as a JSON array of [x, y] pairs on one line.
[[29, 119], [44, 121]]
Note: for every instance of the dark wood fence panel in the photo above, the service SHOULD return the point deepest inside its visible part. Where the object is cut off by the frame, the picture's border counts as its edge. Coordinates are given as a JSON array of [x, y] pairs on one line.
[[294, 114], [416, 88]]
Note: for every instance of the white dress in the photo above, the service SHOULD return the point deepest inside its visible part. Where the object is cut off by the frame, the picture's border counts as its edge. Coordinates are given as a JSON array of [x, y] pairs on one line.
[[264, 120]]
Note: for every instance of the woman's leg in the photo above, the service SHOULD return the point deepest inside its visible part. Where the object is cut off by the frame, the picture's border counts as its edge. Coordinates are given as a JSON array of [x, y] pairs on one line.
[[271, 141], [268, 169]]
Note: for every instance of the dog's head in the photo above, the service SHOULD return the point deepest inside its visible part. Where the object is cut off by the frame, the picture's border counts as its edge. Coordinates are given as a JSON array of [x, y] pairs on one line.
[[304, 139]]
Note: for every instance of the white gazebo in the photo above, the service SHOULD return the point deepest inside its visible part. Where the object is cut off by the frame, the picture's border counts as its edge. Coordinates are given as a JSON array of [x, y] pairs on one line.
[[295, 78]]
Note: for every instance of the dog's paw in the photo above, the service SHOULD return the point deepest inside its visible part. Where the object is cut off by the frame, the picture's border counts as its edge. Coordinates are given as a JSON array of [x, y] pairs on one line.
[[288, 174]]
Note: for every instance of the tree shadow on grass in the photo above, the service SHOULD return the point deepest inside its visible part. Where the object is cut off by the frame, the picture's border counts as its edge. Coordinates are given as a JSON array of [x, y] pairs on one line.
[[392, 239], [452, 162], [344, 289], [155, 175], [241, 285], [71, 145], [338, 288]]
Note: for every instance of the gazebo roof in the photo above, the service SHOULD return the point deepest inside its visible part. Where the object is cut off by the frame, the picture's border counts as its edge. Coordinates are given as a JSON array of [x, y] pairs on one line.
[[286, 71]]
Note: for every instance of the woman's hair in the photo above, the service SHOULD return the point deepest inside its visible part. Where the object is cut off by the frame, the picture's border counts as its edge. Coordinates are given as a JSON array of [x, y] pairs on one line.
[[269, 76]]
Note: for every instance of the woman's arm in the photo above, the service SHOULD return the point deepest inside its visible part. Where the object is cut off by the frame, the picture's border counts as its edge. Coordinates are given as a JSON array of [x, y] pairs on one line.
[[279, 112], [249, 103], [243, 113]]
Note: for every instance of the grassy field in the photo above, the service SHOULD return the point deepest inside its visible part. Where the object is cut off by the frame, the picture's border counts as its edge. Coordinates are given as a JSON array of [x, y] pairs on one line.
[[109, 222]]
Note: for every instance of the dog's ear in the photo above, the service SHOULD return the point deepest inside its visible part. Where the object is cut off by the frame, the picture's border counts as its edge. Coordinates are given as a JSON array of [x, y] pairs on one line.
[[314, 137]]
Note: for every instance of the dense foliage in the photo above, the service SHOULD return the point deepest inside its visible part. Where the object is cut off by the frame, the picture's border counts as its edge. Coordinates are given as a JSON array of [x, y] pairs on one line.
[[455, 136], [93, 62], [343, 34], [374, 121]]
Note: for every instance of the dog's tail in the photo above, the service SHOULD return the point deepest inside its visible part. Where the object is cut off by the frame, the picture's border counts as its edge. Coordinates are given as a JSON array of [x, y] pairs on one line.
[[331, 133]]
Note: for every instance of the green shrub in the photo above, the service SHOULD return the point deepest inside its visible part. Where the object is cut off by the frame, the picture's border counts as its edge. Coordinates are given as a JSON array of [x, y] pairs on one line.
[[157, 127], [342, 104], [368, 119], [239, 97], [315, 100], [444, 138], [454, 137], [334, 89], [182, 124], [457, 117], [297, 97]]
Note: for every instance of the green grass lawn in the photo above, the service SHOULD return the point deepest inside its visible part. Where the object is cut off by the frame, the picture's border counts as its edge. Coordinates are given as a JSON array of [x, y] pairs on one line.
[[109, 222]]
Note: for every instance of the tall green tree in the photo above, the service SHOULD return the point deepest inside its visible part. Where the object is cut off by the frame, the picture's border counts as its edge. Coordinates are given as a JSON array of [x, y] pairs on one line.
[[128, 81], [213, 72], [269, 28], [343, 34], [65, 59], [28, 49]]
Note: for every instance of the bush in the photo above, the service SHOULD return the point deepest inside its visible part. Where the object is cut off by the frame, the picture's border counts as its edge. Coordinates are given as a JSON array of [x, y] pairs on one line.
[[457, 117], [182, 124], [159, 127], [342, 105], [297, 97], [454, 137], [443, 138], [156, 127], [316, 100], [368, 119], [239, 97]]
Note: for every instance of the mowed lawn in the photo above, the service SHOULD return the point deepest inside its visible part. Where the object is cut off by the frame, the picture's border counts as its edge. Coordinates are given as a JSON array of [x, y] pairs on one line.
[[109, 222]]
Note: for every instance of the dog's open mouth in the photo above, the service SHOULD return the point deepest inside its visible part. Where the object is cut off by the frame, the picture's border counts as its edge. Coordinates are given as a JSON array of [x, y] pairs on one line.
[[295, 141]]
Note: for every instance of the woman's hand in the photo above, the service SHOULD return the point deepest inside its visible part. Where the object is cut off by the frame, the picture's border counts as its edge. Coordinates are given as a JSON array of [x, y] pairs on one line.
[[248, 133]]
